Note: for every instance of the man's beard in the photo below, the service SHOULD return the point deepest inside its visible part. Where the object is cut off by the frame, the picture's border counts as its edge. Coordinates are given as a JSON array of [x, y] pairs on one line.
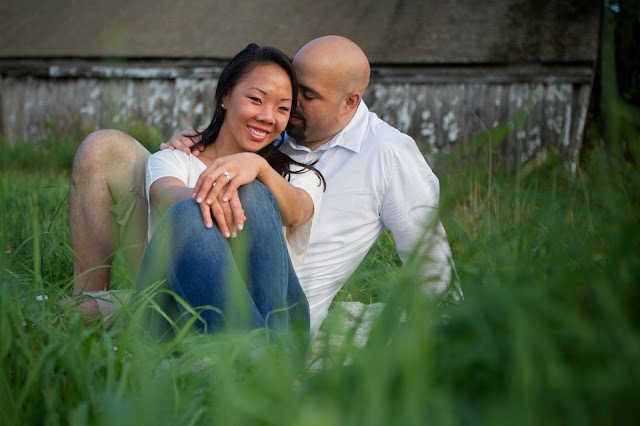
[[297, 131]]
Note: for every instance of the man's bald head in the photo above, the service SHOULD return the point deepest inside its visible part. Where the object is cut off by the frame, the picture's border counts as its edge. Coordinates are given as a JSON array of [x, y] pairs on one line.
[[339, 57], [333, 74]]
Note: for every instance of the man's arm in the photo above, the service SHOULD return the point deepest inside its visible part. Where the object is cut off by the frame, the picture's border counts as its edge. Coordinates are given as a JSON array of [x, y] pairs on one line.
[[410, 211]]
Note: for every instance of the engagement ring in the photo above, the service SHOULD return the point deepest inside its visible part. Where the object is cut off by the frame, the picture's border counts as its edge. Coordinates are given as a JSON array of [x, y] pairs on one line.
[[226, 174]]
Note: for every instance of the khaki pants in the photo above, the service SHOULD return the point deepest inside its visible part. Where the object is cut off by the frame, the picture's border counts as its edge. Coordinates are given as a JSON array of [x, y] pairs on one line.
[[131, 213]]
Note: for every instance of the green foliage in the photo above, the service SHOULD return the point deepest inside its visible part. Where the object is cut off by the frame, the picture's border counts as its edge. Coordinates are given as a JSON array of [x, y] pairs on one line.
[[548, 332]]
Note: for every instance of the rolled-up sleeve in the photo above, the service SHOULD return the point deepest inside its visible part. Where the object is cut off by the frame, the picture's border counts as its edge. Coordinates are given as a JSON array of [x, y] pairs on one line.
[[167, 163], [298, 240]]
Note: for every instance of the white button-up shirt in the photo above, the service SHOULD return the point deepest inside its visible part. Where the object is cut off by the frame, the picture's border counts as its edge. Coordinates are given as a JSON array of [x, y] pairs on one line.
[[377, 179]]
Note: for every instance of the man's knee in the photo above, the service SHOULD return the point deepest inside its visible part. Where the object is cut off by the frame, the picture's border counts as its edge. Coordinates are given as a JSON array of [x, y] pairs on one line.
[[102, 146], [102, 152], [106, 157]]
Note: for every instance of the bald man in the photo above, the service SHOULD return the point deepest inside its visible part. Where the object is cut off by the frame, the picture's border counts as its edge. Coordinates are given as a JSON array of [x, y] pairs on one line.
[[376, 177]]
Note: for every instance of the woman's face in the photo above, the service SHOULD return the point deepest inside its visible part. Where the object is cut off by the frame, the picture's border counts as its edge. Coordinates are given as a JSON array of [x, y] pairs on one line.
[[257, 109]]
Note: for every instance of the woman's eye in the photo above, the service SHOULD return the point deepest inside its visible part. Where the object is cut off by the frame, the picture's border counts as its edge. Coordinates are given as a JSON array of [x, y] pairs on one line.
[[283, 108], [253, 98]]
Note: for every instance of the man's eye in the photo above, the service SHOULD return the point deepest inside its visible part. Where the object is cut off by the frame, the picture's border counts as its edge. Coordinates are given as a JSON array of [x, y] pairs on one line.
[[307, 97]]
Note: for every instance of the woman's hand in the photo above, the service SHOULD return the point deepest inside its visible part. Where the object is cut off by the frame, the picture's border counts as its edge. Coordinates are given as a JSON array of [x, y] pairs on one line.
[[228, 215], [217, 189], [183, 142]]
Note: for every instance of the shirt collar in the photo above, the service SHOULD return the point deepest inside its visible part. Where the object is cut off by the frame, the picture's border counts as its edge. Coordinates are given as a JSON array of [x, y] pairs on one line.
[[351, 137]]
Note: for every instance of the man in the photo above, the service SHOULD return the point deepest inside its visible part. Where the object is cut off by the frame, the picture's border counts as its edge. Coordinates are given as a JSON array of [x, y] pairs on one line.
[[376, 179]]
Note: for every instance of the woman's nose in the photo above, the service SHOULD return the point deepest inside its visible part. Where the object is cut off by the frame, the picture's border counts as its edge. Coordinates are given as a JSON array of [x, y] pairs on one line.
[[266, 115]]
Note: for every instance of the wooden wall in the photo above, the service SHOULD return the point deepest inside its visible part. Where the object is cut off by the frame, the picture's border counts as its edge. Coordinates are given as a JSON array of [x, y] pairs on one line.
[[442, 71]]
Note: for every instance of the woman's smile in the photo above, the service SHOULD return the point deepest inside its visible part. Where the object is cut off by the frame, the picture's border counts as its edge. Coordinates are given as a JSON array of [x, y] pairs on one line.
[[258, 134], [257, 110]]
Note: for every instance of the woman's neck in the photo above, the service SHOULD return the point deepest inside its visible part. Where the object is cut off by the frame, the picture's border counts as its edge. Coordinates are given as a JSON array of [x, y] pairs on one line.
[[221, 147]]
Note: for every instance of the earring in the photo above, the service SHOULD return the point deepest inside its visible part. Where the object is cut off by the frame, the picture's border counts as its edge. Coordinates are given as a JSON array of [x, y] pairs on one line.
[[222, 105]]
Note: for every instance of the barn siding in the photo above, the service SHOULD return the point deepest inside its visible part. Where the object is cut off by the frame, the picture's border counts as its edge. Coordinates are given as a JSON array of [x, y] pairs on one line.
[[438, 107]]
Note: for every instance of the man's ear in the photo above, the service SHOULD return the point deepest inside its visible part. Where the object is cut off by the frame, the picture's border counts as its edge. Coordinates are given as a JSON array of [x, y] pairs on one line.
[[352, 101]]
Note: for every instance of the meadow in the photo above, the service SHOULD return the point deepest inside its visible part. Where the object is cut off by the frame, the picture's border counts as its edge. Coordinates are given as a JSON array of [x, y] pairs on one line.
[[547, 333]]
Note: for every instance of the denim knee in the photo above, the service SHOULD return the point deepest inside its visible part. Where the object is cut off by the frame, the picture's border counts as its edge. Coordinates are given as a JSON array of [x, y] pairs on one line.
[[186, 215], [257, 200]]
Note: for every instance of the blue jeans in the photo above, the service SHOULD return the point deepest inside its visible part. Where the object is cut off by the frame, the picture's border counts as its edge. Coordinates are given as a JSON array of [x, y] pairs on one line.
[[237, 284]]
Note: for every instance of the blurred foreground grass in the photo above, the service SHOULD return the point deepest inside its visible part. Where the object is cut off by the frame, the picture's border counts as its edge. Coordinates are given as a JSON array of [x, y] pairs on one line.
[[548, 331]]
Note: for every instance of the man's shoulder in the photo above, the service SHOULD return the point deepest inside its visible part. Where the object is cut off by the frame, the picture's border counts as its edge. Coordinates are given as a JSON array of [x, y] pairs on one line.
[[382, 136]]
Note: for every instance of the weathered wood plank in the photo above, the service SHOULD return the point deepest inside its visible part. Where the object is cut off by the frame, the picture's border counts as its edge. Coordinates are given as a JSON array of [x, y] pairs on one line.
[[438, 115]]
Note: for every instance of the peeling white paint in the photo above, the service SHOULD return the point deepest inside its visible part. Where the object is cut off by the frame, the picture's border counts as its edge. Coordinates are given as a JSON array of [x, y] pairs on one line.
[[558, 93], [567, 127], [207, 71], [428, 132], [450, 125], [427, 129], [437, 115], [88, 110], [555, 124], [55, 71], [135, 72]]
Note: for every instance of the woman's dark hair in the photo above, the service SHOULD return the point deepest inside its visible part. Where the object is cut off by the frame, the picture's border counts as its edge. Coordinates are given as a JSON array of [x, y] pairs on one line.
[[241, 64]]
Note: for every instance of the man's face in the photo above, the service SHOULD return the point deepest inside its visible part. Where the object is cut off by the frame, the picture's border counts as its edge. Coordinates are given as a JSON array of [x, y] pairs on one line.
[[317, 117]]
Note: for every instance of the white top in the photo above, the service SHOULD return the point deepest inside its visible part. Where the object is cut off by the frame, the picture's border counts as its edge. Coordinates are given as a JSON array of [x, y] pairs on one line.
[[187, 168], [376, 179]]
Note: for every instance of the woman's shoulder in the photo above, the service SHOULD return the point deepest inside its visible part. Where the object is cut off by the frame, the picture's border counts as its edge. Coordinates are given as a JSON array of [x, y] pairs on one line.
[[170, 154], [173, 156]]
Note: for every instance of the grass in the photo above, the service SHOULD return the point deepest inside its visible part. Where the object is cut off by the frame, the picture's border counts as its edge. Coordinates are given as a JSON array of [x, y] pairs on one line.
[[548, 332]]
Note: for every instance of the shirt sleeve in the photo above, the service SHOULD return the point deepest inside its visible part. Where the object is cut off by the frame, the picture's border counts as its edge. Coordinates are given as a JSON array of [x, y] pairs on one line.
[[410, 212], [298, 240], [167, 163]]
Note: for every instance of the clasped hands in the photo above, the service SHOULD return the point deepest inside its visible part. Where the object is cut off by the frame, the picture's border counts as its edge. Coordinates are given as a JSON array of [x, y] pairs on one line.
[[216, 191]]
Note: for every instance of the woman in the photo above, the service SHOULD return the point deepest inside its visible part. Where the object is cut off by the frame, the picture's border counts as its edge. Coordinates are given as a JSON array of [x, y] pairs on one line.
[[255, 94]]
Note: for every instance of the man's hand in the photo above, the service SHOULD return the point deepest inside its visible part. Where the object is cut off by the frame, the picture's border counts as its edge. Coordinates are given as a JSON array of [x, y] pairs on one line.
[[183, 142]]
